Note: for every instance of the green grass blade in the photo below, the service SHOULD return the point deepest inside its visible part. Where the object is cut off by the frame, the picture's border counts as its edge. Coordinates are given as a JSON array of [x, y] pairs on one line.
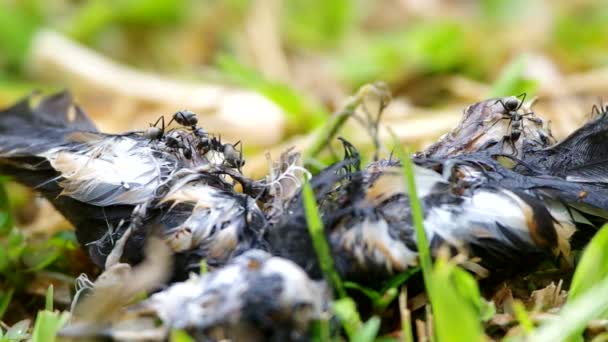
[[5, 299], [320, 330], [400, 279], [372, 294], [345, 308], [592, 268], [346, 311], [180, 336], [453, 292], [387, 298], [451, 299], [522, 316], [49, 298], [203, 268], [591, 271], [329, 129], [317, 234], [47, 325], [422, 244], [368, 331]]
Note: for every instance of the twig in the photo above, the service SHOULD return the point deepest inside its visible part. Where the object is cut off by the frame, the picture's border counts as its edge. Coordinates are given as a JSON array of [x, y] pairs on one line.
[[328, 131], [406, 317]]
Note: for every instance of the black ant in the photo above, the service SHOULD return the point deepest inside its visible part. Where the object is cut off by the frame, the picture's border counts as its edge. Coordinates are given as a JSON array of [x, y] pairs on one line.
[[153, 132], [189, 119], [185, 118], [516, 120], [174, 143], [233, 157]]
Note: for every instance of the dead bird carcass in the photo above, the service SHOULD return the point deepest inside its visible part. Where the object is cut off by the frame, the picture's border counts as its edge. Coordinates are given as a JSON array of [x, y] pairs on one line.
[[505, 198], [173, 183]]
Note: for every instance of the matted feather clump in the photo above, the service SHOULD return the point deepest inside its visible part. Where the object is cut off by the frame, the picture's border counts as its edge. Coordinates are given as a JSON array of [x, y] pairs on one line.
[[152, 206]]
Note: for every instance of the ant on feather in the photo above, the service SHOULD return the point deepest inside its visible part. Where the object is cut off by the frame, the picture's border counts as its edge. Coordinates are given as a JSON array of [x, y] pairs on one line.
[[232, 156], [511, 109]]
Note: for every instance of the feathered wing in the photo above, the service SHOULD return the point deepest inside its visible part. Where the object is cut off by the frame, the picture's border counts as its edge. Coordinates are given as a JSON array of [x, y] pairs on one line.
[[581, 157], [27, 130], [93, 179]]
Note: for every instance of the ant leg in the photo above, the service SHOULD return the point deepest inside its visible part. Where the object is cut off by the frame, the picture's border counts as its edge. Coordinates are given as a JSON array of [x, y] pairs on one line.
[[502, 143], [502, 103], [504, 117], [514, 148], [537, 121], [171, 121], [523, 99], [538, 139], [511, 144], [510, 132], [595, 111], [240, 163], [156, 123]]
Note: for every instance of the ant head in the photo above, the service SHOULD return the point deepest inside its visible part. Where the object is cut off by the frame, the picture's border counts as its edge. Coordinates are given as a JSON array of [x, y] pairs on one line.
[[512, 104]]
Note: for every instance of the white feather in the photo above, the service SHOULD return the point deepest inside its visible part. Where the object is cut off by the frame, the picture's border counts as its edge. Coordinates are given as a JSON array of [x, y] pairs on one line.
[[114, 170], [478, 215]]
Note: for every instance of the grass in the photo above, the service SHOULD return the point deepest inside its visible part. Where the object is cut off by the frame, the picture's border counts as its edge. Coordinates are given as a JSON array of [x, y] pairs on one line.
[[48, 322], [344, 307], [317, 233], [180, 336], [424, 254], [20, 259]]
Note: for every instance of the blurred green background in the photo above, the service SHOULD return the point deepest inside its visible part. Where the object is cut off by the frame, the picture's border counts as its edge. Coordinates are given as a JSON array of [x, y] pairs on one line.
[[129, 61], [394, 40], [307, 55]]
